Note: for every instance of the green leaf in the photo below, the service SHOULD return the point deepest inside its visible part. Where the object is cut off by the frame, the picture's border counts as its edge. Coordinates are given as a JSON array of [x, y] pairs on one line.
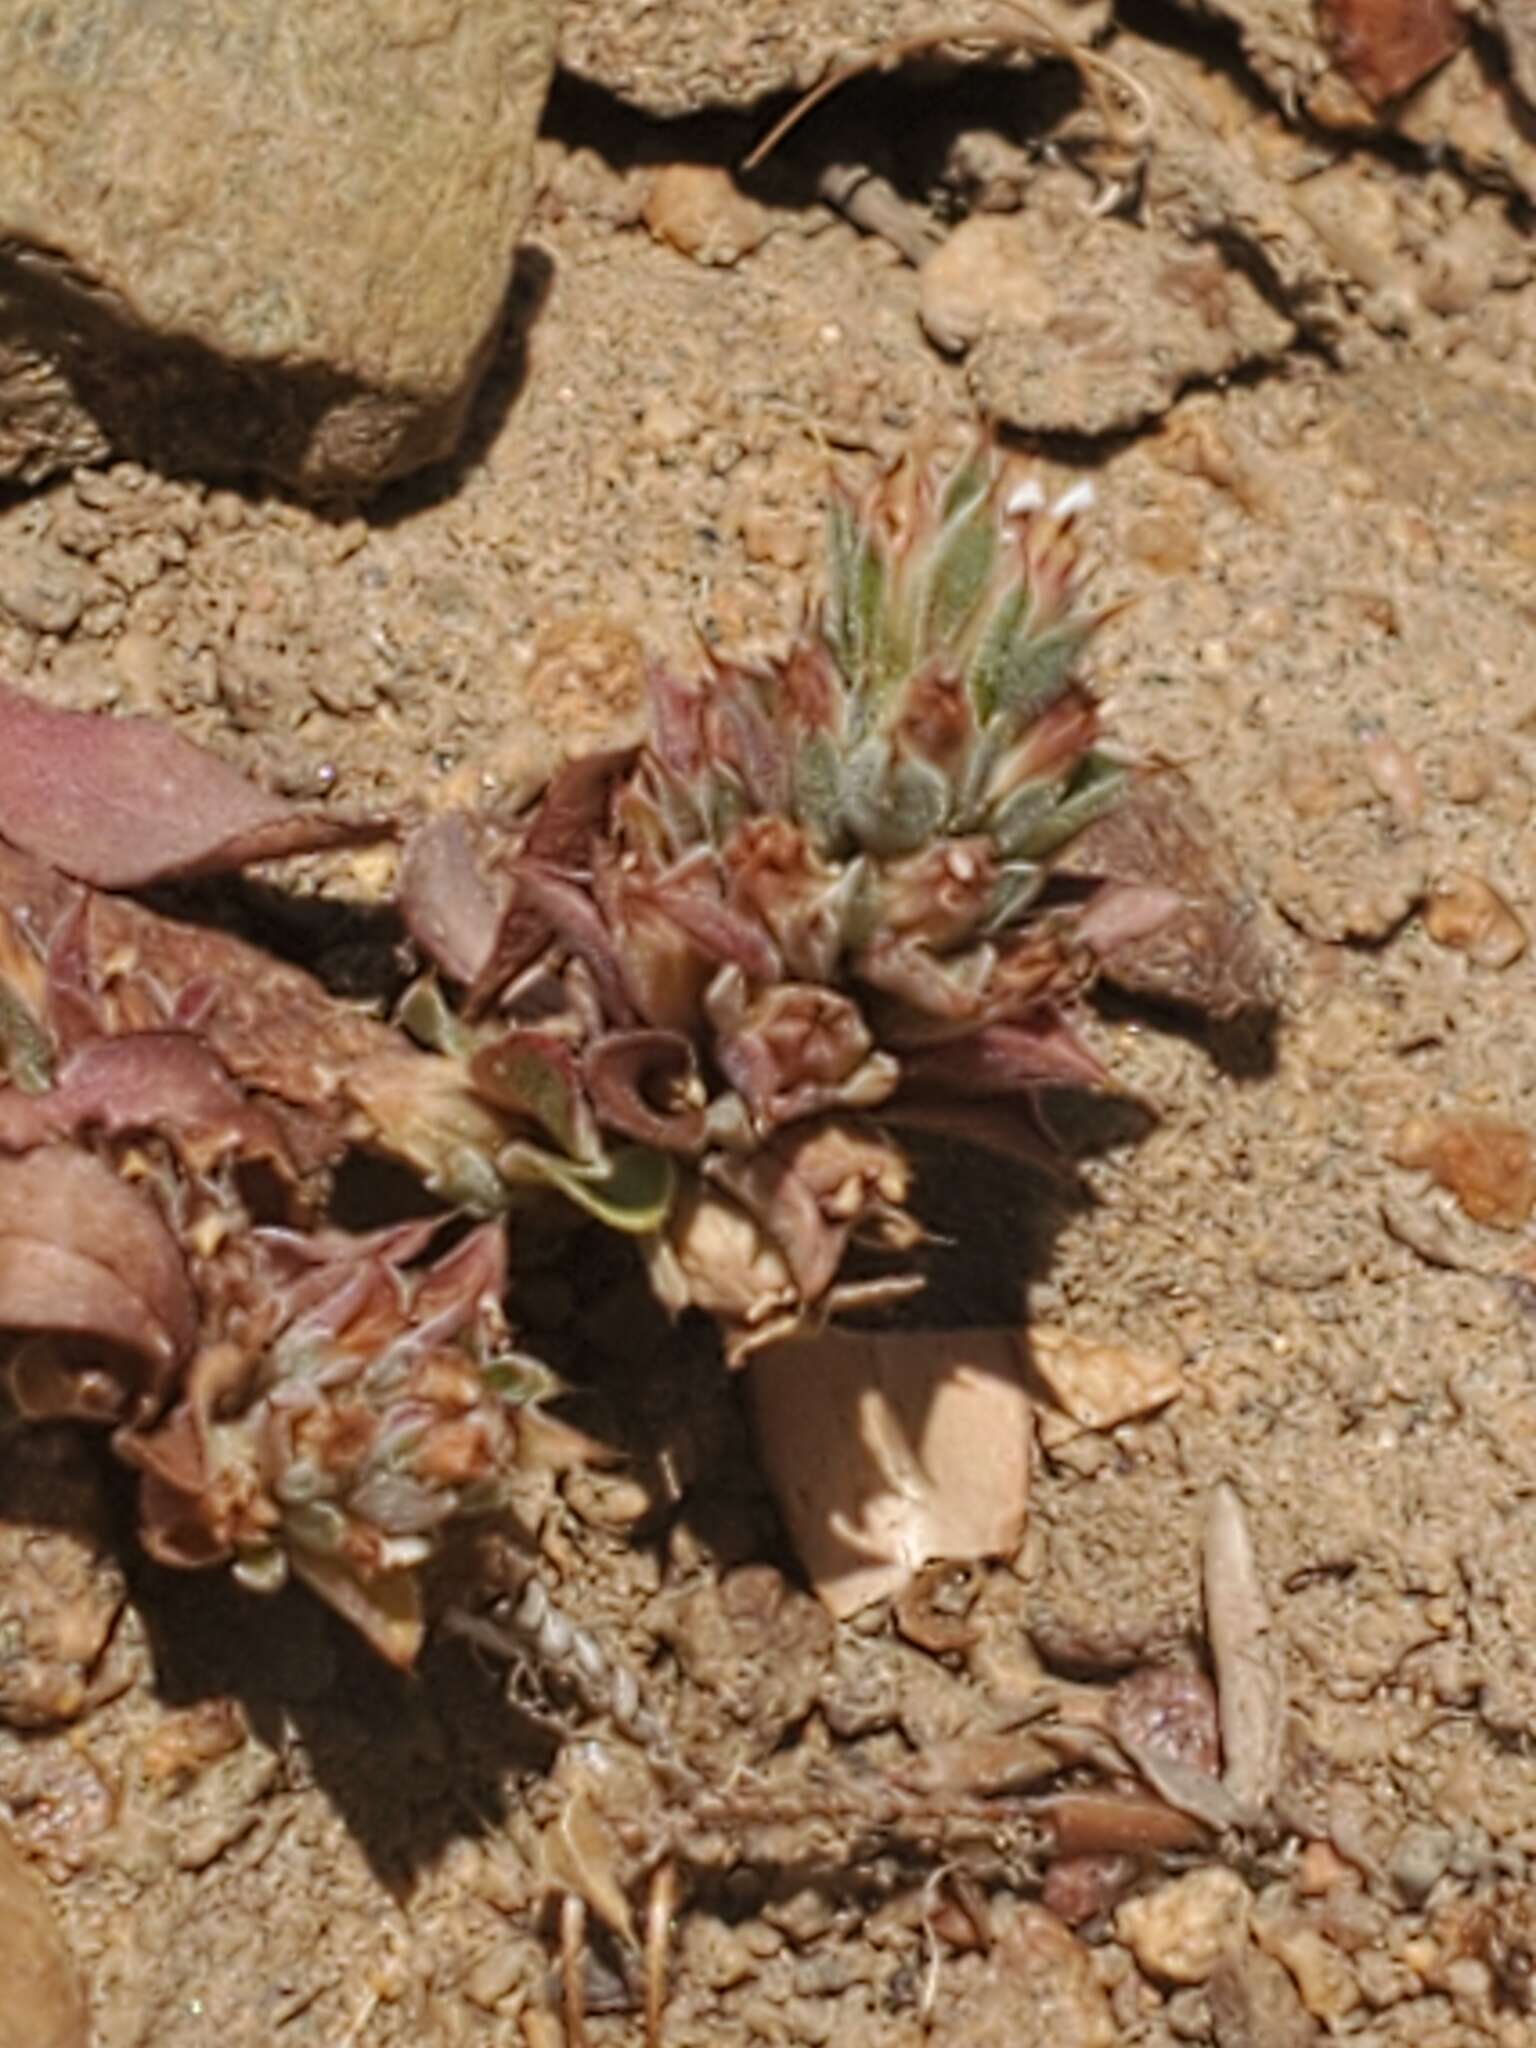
[[463, 1175], [520, 1380], [994, 648], [842, 576], [535, 1075], [892, 806], [26, 1050], [967, 488], [1020, 818], [1016, 887], [1096, 788], [817, 790], [424, 1012], [963, 559], [856, 596], [1035, 670], [631, 1191]]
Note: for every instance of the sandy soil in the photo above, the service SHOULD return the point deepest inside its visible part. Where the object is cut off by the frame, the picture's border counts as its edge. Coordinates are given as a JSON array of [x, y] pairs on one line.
[[255, 1835]]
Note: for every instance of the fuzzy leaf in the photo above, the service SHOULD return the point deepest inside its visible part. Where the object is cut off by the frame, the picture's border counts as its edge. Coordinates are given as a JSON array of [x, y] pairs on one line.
[[965, 556], [1035, 669], [1015, 888], [994, 650], [892, 806], [1022, 817], [818, 790], [1094, 789]]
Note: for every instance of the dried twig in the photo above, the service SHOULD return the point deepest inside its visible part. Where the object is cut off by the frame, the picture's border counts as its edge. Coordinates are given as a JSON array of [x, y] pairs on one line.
[[1127, 126], [1249, 1683], [534, 1626], [875, 207]]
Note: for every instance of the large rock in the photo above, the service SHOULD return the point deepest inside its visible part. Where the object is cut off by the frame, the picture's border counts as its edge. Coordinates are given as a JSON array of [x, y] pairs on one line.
[[257, 235], [689, 54]]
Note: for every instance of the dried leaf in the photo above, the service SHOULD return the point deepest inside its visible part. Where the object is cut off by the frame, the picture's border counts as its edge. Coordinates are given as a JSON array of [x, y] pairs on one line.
[[1096, 1386], [886, 1450], [579, 1855], [384, 1607], [419, 1108], [1206, 955], [646, 1086], [1250, 1684], [1113, 1823], [122, 802]]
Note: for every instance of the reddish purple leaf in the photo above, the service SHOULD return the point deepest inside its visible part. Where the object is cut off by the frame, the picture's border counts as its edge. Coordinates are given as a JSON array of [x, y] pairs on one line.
[[1005, 1059], [645, 1085], [85, 1256], [451, 903], [122, 802]]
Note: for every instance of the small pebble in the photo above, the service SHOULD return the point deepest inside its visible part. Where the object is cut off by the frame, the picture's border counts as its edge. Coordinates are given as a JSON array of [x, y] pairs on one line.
[[1327, 1984], [1419, 1859], [1181, 1931], [1469, 915], [699, 210], [983, 276], [1487, 1164]]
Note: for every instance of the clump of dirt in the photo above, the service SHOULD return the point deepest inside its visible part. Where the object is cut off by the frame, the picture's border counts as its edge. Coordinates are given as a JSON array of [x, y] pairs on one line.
[[1322, 550]]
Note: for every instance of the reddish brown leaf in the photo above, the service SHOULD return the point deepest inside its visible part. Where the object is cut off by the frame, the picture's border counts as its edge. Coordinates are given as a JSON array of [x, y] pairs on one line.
[[123, 802], [160, 1081], [1112, 1823]]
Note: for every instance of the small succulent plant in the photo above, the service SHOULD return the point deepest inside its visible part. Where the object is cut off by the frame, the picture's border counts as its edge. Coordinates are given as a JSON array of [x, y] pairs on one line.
[[693, 993], [703, 979]]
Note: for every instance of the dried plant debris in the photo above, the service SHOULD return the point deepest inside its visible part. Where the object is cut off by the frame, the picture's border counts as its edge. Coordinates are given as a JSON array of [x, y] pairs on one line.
[[887, 1450], [1250, 1683], [690, 994], [1095, 1386]]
